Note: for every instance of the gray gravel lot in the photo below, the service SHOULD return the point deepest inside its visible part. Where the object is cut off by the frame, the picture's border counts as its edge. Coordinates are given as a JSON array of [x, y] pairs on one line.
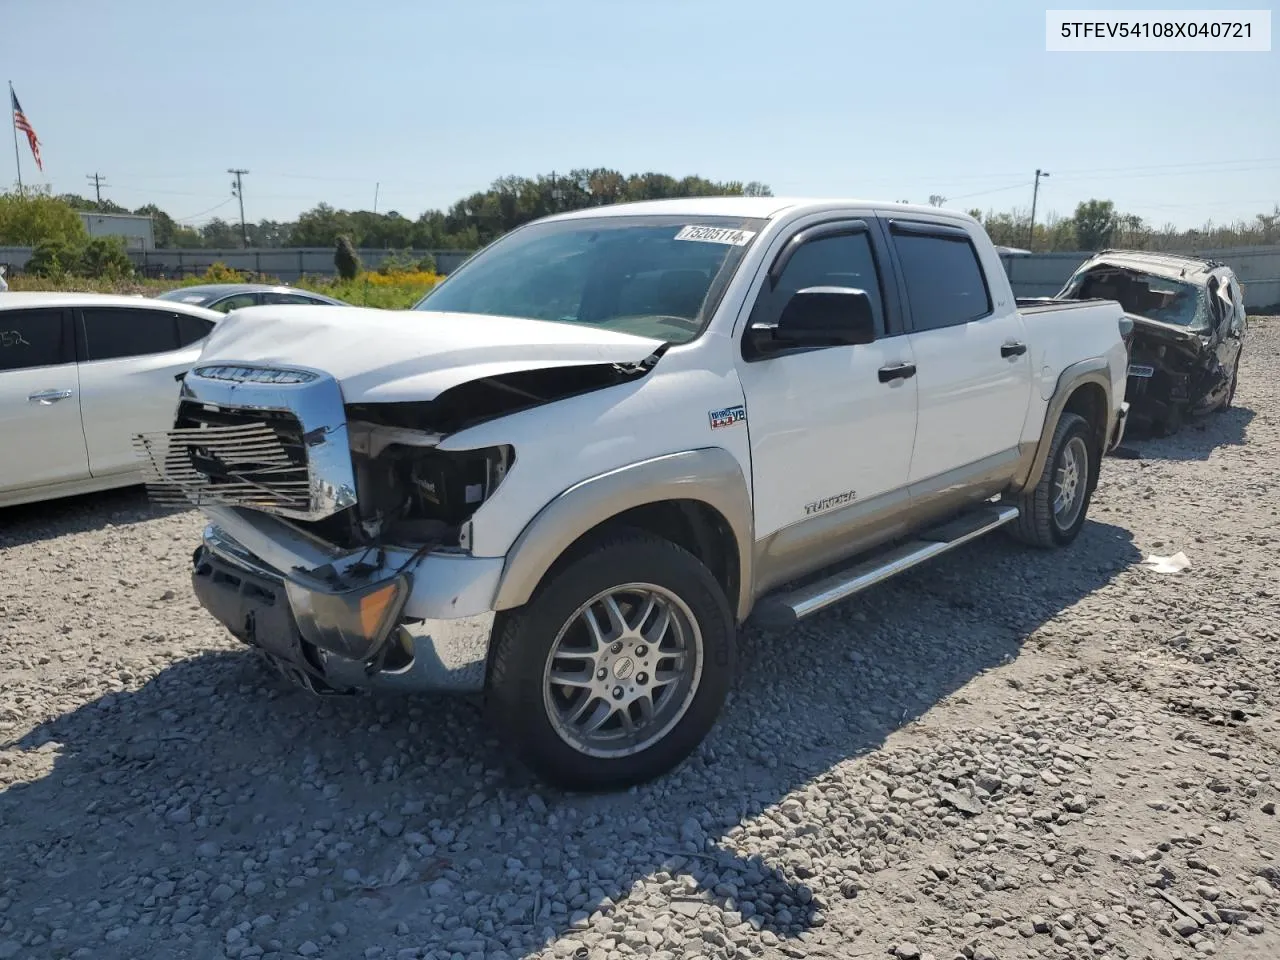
[[1002, 754]]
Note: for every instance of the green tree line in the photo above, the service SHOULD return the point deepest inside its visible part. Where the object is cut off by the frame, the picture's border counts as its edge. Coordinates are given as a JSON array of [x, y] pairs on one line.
[[1097, 225], [469, 223], [511, 201]]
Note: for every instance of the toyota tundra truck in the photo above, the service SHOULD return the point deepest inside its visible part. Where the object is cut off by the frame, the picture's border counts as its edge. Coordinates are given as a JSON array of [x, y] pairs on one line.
[[569, 474]]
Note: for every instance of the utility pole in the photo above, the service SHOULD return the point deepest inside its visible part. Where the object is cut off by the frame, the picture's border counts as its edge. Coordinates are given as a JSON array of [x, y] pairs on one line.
[[237, 191], [556, 193], [99, 181], [1035, 193]]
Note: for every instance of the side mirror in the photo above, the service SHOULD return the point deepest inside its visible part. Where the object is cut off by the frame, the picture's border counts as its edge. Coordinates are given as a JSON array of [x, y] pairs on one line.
[[817, 317]]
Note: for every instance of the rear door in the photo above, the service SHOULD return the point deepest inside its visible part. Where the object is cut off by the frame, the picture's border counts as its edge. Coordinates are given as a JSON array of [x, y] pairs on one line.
[[973, 365], [41, 442], [130, 357]]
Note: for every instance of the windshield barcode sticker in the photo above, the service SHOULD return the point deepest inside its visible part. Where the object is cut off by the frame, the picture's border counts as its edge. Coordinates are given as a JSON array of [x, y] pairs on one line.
[[737, 238]]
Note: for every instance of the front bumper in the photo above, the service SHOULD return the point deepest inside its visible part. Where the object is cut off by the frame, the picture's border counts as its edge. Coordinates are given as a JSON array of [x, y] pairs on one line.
[[290, 617]]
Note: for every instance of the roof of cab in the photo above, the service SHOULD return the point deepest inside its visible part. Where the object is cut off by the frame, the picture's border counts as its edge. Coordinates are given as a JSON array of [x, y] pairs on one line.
[[12, 300], [764, 208]]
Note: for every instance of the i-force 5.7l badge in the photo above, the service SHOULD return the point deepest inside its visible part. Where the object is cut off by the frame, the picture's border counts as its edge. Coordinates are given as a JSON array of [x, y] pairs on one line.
[[727, 417]]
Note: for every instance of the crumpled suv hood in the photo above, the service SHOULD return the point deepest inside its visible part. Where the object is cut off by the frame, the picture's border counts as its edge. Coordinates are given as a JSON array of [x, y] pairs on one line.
[[388, 356]]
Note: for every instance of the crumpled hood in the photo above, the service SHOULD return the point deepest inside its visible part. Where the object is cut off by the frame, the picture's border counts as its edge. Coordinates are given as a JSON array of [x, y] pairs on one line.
[[386, 356]]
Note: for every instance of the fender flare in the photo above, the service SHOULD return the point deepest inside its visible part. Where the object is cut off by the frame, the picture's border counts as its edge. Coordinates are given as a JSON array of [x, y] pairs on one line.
[[710, 475], [1094, 370]]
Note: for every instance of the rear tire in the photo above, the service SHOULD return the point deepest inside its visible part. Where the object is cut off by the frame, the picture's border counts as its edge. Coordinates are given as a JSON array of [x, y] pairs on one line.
[[1054, 511], [617, 668]]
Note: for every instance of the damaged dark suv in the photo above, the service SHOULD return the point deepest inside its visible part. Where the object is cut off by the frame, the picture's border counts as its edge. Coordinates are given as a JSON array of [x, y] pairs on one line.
[[1188, 330]]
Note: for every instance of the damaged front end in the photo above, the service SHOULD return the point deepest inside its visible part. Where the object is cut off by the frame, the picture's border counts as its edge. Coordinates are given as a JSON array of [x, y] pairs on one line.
[[339, 538]]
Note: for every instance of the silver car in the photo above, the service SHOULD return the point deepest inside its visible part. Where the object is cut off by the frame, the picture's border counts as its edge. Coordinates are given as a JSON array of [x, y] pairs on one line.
[[225, 297]]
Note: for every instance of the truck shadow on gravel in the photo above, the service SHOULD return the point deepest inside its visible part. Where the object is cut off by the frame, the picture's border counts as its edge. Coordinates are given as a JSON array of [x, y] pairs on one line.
[[49, 519], [1196, 440], [213, 761]]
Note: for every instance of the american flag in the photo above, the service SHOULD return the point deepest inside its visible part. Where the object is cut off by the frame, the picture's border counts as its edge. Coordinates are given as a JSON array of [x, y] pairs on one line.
[[22, 123]]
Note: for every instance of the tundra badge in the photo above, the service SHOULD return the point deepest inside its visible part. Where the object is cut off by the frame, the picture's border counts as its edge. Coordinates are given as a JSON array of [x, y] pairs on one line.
[[826, 503]]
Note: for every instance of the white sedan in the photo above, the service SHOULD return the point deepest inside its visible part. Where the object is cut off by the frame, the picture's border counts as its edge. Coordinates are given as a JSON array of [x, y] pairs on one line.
[[80, 375]]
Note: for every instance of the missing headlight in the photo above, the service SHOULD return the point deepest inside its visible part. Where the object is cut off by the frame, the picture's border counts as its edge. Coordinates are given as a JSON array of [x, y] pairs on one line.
[[450, 486], [416, 494]]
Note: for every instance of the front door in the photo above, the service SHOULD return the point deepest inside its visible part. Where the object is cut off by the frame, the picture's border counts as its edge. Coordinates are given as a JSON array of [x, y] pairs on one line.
[[41, 442], [831, 429]]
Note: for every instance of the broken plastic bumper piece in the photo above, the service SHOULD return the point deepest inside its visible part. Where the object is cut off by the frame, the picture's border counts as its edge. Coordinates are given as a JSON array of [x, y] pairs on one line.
[[352, 623]]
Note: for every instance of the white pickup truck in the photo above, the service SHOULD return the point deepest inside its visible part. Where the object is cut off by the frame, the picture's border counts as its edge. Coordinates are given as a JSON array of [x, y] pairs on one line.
[[570, 473]]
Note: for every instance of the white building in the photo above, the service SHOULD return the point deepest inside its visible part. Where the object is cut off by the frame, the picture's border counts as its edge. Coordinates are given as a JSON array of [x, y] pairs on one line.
[[135, 230]]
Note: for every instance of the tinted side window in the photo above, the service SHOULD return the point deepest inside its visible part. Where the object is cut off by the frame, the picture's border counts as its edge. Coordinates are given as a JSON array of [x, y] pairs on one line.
[[191, 329], [945, 283], [112, 332], [32, 338], [288, 298], [236, 302], [840, 261]]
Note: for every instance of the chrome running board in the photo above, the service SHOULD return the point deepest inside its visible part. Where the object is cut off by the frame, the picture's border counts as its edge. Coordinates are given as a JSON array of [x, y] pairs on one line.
[[785, 609]]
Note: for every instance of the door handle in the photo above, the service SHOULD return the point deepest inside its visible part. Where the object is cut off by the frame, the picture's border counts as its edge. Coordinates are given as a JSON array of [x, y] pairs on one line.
[[47, 397], [1014, 348], [897, 371]]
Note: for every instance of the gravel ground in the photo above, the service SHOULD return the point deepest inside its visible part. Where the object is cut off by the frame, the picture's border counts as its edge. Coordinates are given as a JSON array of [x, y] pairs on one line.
[[1003, 754]]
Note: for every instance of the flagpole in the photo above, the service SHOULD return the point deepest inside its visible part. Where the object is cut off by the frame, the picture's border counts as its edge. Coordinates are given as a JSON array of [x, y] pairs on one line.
[[17, 156]]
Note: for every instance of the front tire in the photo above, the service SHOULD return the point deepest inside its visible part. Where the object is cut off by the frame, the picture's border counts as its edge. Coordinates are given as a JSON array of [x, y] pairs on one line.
[[1230, 398], [1053, 513], [617, 668]]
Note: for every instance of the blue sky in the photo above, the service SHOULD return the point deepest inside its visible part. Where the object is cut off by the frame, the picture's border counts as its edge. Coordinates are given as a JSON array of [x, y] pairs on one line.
[[320, 100]]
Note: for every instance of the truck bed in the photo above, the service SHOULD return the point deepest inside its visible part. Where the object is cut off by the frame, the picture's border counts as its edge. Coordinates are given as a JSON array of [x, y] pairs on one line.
[[1049, 304]]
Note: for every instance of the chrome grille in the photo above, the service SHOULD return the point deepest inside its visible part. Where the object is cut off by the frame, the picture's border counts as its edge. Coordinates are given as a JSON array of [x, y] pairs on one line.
[[230, 458], [244, 435]]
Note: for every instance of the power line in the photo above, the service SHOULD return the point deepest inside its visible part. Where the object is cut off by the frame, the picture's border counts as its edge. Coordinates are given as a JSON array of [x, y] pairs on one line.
[[1198, 164], [1167, 173], [99, 181], [983, 193], [195, 216]]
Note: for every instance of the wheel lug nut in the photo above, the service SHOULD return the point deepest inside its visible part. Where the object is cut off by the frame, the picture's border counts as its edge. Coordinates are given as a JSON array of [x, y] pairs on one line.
[[602, 673], [642, 678], [617, 693], [617, 648], [641, 650]]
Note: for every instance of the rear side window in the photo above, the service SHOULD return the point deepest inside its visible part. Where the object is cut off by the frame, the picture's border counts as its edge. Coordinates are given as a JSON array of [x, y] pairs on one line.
[[33, 338], [945, 283], [114, 332], [191, 329]]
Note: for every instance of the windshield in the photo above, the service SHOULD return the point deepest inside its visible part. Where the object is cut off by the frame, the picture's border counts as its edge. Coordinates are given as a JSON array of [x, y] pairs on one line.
[[1147, 295], [654, 276]]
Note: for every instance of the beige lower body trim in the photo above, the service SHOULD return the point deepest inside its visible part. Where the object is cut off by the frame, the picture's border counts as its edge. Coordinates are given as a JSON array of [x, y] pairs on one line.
[[812, 544]]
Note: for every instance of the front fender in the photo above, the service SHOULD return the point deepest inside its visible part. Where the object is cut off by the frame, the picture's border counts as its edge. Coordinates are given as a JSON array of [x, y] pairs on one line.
[[710, 475]]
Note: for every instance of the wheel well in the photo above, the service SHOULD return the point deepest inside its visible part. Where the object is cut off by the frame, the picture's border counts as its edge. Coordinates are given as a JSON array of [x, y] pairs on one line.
[[696, 526], [1089, 400]]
